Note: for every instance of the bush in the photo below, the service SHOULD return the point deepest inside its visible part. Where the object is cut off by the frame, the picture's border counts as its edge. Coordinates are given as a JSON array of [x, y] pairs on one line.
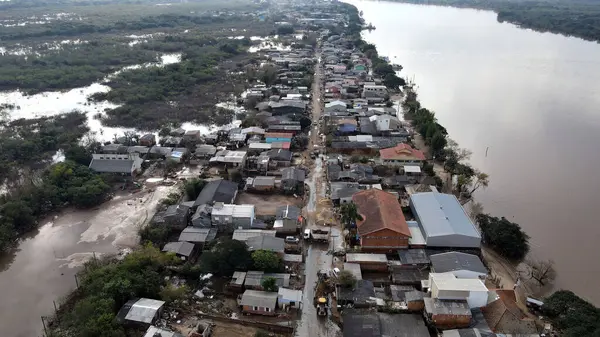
[[346, 279], [266, 260]]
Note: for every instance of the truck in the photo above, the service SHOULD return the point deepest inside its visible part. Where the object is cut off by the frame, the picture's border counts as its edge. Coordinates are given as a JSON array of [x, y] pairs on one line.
[[321, 235], [322, 290], [322, 306]]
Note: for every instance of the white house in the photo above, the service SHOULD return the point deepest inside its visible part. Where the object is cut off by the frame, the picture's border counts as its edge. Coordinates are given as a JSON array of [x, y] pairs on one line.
[[335, 106], [116, 163], [385, 122], [445, 286], [235, 216]]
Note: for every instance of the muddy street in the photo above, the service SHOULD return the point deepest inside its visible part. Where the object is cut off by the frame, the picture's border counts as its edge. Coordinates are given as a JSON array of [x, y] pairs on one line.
[[42, 268]]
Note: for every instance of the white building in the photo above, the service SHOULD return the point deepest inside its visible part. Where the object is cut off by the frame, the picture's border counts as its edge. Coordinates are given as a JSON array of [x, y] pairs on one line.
[[235, 216], [445, 286]]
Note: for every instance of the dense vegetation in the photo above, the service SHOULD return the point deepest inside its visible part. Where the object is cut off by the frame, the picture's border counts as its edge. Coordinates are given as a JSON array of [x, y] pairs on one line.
[[505, 237], [104, 286], [573, 315], [579, 18], [225, 257]]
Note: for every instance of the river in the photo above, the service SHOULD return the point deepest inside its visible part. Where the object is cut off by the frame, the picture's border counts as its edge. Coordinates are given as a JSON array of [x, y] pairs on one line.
[[532, 99]]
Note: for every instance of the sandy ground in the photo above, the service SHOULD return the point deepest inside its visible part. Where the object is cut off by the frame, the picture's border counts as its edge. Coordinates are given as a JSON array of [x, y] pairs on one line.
[[266, 204]]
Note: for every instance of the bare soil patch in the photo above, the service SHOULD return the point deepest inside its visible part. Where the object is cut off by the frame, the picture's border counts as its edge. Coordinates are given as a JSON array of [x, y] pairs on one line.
[[266, 204]]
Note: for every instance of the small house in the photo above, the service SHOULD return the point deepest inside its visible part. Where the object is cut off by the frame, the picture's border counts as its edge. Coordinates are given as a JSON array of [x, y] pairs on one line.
[[288, 219], [447, 287], [237, 282], [197, 235], [254, 279], [369, 262], [201, 218], [291, 179], [205, 151], [289, 298], [413, 258], [141, 312], [272, 137], [184, 250], [244, 234], [451, 314], [229, 158], [229, 216], [260, 184], [148, 140], [279, 157], [177, 216], [401, 155], [125, 164], [258, 302], [269, 243], [362, 295], [192, 136], [219, 190]]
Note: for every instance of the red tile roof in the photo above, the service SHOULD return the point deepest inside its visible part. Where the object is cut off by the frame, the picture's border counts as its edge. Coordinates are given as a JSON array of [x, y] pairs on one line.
[[401, 151], [380, 210]]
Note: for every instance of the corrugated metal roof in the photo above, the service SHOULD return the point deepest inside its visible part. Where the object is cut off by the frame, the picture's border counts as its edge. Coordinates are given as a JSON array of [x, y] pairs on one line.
[[266, 243], [112, 165], [354, 268], [451, 261], [441, 214], [181, 248], [262, 299], [237, 211], [417, 237], [358, 257], [194, 234], [245, 234], [144, 310]]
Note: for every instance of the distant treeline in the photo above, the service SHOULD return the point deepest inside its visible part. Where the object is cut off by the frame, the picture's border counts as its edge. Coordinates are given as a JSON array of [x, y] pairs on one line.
[[573, 18]]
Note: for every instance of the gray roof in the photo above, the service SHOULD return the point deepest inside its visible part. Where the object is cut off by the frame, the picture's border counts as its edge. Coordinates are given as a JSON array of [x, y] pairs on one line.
[[354, 268], [263, 181], [255, 278], [414, 295], [194, 234], [238, 278], [445, 307], [413, 256], [217, 191], [206, 149], [144, 310], [287, 212], [293, 174], [179, 210], [345, 192], [451, 261], [179, 248], [361, 293], [279, 154], [444, 221], [256, 298], [245, 234], [160, 332], [358, 324], [267, 243], [403, 325], [112, 165]]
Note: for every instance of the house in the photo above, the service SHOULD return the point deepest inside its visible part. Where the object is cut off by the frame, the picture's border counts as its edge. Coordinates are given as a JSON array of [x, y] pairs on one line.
[[383, 226], [443, 221], [143, 311], [202, 218], [386, 123], [354, 268], [450, 314], [177, 216], [361, 324], [272, 137], [362, 295], [284, 107], [254, 279], [288, 219], [368, 262], [269, 243], [148, 140], [237, 282], [413, 258], [408, 276], [289, 298], [447, 287], [253, 130], [462, 265], [183, 250], [197, 235], [191, 136], [229, 216], [127, 164], [402, 325], [258, 302], [503, 315], [291, 179], [205, 151], [245, 234], [154, 331], [375, 93], [230, 158], [336, 106], [217, 191], [401, 155], [260, 184], [279, 157]]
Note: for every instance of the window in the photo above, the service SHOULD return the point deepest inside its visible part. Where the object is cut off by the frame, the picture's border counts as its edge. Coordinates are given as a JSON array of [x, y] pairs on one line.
[[255, 308], [216, 218], [267, 309]]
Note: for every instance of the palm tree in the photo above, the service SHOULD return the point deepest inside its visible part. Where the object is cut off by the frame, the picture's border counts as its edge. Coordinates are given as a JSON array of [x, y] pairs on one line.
[[349, 213]]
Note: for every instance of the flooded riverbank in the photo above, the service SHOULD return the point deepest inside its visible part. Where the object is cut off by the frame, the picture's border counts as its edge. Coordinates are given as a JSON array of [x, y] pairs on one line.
[[524, 103]]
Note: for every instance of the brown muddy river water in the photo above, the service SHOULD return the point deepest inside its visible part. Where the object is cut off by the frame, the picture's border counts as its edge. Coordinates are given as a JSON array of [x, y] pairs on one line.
[[533, 99]]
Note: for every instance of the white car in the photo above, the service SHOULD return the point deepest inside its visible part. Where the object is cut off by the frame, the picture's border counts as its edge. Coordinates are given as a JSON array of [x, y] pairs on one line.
[[291, 239], [306, 234], [335, 272]]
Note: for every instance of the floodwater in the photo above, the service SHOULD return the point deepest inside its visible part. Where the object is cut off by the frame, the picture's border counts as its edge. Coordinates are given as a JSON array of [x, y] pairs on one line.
[[42, 269], [526, 104]]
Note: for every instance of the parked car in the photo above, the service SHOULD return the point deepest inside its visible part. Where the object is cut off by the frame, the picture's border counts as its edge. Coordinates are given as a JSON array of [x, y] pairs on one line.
[[335, 272], [291, 239], [307, 234]]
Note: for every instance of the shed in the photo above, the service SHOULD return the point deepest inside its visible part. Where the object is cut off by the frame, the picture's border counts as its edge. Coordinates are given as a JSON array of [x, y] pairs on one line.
[[144, 311], [462, 265], [369, 262], [184, 250], [258, 302], [447, 314], [237, 281], [417, 240], [444, 221]]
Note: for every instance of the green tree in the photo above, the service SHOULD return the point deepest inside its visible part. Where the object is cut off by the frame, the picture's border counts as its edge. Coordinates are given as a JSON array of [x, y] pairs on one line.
[[438, 142], [571, 314], [266, 260], [171, 293], [349, 214], [268, 75], [193, 187], [505, 237], [225, 257], [346, 279], [269, 284]]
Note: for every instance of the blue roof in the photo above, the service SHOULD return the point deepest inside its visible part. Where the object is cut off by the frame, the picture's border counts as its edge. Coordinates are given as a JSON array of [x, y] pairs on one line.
[[442, 215]]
